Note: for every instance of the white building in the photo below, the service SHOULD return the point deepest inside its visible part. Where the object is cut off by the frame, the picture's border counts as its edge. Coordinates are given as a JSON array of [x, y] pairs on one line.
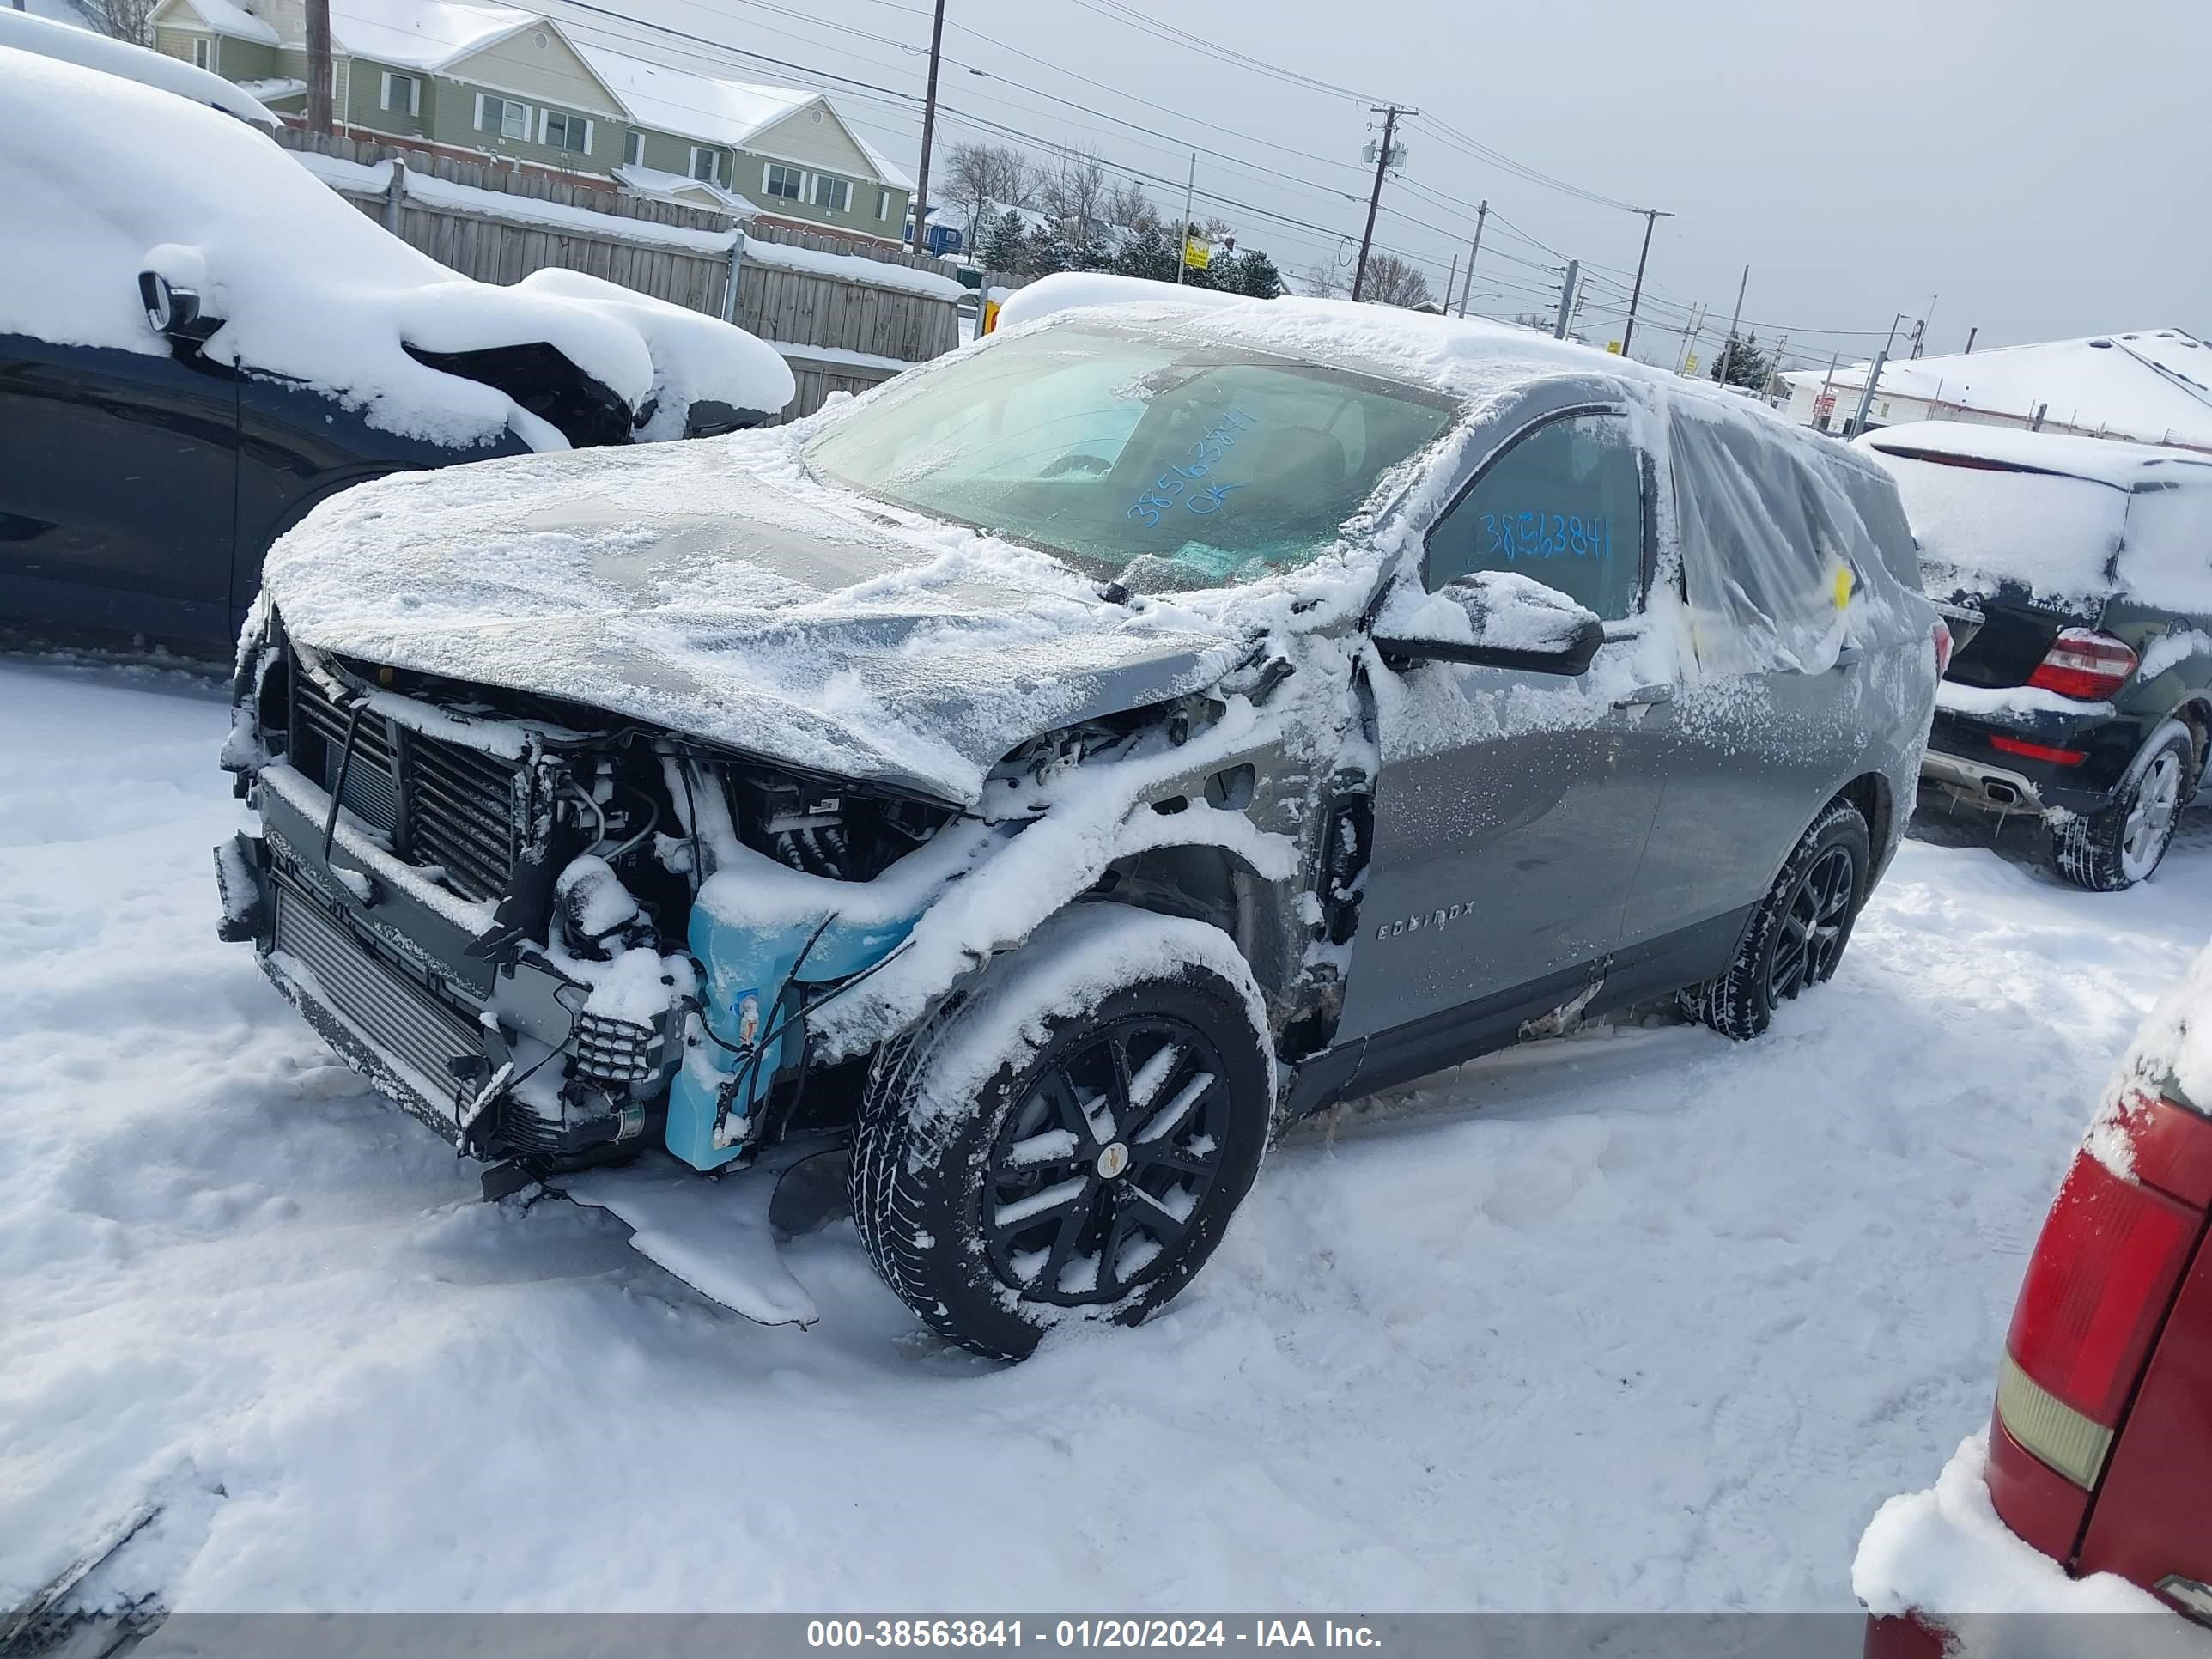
[[2153, 385]]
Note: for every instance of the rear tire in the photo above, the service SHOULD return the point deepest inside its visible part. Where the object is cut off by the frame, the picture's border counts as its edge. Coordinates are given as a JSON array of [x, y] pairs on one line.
[[1798, 932], [2108, 850], [1046, 1147]]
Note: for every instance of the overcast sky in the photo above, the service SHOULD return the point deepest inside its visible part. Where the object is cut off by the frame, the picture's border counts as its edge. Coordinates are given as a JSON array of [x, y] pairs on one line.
[[2039, 165]]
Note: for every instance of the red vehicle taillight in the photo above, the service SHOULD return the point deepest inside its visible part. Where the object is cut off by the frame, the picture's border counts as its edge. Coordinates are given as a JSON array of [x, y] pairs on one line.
[[2042, 751], [2098, 1289], [2084, 664], [1941, 635]]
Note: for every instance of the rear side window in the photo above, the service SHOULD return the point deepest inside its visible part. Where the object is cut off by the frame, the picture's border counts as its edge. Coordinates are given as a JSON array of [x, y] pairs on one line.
[[1564, 506], [1780, 566]]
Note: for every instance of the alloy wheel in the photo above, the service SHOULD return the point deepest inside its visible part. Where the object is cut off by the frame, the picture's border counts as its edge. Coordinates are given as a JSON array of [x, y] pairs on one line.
[[2150, 819], [1097, 1172], [1810, 940]]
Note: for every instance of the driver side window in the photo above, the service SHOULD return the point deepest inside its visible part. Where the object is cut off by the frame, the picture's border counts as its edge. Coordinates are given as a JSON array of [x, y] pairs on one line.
[[1564, 506]]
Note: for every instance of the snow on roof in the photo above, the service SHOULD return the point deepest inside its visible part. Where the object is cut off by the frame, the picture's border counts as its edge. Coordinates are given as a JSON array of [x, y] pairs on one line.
[[2148, 384], [672, 186], [26, 33], [697, 106], [226, 18], [424, 34], [120, 178], [2105, 460]]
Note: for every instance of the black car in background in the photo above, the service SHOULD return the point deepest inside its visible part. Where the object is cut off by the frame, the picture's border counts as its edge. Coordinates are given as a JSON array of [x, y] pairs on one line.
[[2079, 687], [199, 341]]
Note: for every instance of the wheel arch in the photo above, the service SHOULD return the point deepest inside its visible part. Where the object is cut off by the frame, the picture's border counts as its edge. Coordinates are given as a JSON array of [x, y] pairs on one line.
[[1875, 797], [1208, 882]]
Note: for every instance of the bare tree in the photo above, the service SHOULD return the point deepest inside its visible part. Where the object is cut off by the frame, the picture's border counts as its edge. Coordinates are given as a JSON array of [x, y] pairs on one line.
[[1328, 282], [978, 174], [1074, 189], [1128, 205], [1394, 282], [126, 19]]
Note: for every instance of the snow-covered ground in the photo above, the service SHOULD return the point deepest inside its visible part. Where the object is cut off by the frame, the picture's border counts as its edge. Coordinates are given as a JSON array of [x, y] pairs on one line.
[[1641, 1321]]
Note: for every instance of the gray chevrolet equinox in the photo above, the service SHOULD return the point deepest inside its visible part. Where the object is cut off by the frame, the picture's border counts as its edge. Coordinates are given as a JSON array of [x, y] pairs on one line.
[[1057, 771]]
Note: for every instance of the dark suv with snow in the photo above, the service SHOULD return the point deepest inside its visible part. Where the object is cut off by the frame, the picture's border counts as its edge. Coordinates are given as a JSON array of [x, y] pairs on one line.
[[200, 340], [1061, 768], [2079, 573]]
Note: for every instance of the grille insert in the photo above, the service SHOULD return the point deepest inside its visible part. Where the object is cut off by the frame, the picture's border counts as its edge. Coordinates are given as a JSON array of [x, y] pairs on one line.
[[440, 804], [409, 1033]]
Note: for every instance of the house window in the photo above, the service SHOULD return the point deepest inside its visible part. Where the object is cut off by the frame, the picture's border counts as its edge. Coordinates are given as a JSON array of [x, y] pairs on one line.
[[204, 53], [789, 183], [882, 204], [834, 194], [402, 93], [706, 165], [634, 149], [559, 131], [502, 116]]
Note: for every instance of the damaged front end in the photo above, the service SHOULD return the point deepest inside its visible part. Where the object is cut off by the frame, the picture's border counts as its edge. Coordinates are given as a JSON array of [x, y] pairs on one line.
[[484, 901]]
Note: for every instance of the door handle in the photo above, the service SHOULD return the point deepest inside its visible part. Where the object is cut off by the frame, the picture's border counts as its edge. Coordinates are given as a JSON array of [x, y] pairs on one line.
[[1848, 656], [1644, 695]]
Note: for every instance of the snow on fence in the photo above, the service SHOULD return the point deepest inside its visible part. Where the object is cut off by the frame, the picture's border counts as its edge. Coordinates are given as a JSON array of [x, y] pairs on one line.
[[845, 315]]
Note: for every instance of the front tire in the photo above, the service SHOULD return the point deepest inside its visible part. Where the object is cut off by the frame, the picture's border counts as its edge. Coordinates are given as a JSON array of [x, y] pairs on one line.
[[2108, 850], [1068, 1137], [1798, 932]]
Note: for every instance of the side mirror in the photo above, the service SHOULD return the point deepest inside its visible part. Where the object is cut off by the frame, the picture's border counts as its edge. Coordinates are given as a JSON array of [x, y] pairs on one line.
[[173, 311], [1493, 620]]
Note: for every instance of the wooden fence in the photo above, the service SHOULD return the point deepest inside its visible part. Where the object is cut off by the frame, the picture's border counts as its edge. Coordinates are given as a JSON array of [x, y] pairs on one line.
[[845, 315]]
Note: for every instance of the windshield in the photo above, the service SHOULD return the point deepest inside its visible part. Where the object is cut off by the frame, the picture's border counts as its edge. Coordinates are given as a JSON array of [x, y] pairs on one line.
[[1159, 463]]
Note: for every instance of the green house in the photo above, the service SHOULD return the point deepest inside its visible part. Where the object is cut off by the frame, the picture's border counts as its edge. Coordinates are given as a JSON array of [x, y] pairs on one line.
[[504, 82]]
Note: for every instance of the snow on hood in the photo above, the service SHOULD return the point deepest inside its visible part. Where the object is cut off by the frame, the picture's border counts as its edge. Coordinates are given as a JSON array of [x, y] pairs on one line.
[[101, 178], [712, 587]]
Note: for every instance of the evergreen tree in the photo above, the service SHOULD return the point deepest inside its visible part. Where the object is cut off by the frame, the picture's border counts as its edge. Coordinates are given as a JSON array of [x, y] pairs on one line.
[[1147, 254], [1041, 254], [1748, 366], [1001, 245], [1253, 273]]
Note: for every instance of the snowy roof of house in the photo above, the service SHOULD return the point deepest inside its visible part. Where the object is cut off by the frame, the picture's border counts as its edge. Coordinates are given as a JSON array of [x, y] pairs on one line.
[[652, 181], [722, 112], [2149, 383], [226, 18], [425, 34]]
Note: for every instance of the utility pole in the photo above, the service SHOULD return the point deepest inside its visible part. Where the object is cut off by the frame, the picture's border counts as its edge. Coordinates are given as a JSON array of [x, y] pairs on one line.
[[1182, 230], [1728, 350], [1970, 332], [1651, 217], [1691, 330], [1866, 398], [1828, 388], [928, 130], [1774, 368], [1481, 213], [319, 66], [1890, 345], [1566, 299], [1389, 112], [1451, 280]]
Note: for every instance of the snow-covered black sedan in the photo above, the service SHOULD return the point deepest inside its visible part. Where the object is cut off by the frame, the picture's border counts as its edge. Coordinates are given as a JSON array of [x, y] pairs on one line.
[[199, 341]]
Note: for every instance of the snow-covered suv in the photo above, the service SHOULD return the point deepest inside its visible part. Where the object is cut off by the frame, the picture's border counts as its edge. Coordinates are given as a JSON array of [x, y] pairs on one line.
[[1071, 762]]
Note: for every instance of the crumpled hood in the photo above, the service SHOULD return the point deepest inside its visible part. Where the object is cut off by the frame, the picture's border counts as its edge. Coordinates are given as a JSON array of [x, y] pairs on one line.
[[713, 588]]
